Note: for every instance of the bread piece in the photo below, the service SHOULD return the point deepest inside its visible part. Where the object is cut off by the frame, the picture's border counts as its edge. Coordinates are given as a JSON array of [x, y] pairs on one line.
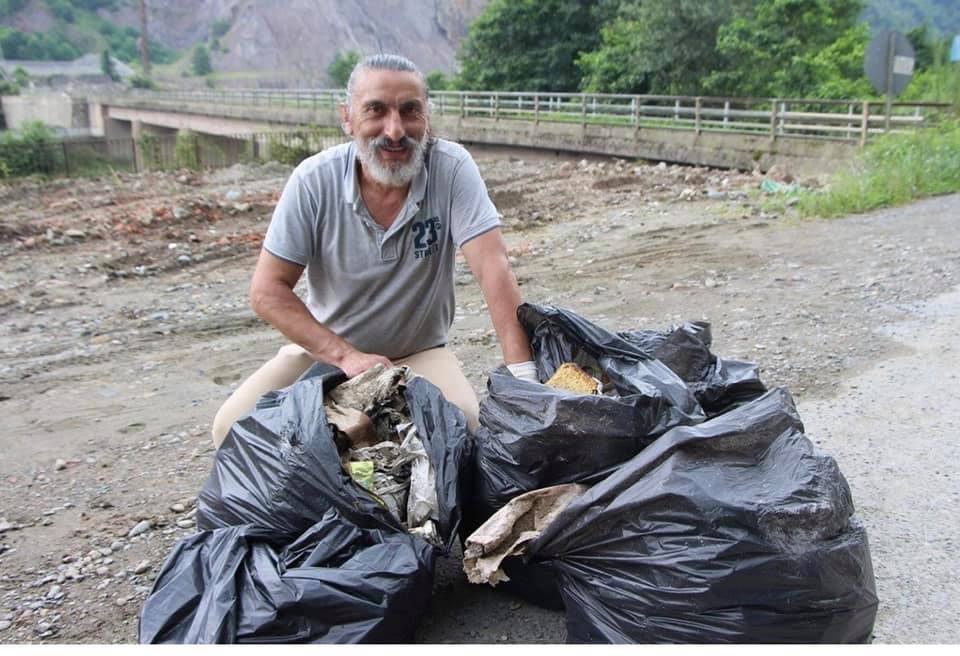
[[572, 378]]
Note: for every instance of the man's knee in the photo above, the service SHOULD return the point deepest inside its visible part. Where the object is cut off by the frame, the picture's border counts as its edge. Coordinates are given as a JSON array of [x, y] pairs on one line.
[[441, 367], [280, 371]]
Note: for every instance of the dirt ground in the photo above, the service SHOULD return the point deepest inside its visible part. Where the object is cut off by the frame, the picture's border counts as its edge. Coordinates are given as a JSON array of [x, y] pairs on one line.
[[125, 325]]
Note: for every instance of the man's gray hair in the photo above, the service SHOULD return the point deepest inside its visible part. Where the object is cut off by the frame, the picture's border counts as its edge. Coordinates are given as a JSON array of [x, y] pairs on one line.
[[382, 62]]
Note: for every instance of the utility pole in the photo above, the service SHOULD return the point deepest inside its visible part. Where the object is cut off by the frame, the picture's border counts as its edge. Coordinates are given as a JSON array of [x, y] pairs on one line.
[[144, 39]]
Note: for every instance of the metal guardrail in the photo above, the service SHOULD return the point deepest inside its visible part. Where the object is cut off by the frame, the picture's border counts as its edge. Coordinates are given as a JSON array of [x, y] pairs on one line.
[[842, 120]]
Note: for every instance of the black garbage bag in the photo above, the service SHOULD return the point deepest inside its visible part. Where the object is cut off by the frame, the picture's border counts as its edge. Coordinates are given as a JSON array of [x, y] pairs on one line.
[[295, 550], [279, 467], [736, 530], [336, 583], [718, 385], [533, 436]]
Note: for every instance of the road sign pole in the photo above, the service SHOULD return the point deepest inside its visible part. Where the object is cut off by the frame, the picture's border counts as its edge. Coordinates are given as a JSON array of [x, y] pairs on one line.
[[891, 51]]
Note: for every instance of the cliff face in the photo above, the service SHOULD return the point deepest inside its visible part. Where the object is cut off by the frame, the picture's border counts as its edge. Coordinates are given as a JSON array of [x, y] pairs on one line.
[[297, 39]]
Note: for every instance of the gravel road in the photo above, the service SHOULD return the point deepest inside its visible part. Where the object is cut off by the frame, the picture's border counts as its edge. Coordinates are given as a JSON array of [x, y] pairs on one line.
[[125, 325]]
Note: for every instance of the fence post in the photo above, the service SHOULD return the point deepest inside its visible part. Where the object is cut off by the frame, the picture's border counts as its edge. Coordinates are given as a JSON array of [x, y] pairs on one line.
[[462, 107], [536, 109], [726, 113], [696, 114], [773, 119], [864, 122], [66, 159], [496, 106], [583, 111], [133, 152]]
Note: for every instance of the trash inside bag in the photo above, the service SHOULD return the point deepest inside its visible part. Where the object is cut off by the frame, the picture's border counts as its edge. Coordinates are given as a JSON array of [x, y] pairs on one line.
[[336, 583], [285, 464], [734, 530], [373, 499], [534, 435]]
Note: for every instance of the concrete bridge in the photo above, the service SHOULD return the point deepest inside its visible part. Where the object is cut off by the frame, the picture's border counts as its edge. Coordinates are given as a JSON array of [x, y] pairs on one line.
[[744, 133]]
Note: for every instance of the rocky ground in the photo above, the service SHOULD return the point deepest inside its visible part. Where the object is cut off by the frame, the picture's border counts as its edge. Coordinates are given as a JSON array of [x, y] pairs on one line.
[[125, 325]]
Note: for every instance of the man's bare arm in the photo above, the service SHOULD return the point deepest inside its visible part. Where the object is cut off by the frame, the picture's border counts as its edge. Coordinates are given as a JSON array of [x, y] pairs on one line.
[[273, 299], [487, 257]]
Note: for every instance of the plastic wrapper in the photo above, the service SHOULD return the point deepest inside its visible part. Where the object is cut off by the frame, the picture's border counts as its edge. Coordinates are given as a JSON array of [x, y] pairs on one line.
[[736, 530]]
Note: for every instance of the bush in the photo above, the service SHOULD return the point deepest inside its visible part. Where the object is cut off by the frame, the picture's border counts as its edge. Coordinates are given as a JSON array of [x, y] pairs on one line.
[[141, 81], [893, 170], [185, 152], [30, 150]]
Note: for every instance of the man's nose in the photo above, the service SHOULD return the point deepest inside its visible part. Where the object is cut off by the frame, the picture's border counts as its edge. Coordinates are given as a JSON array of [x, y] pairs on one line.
[[393, 126]]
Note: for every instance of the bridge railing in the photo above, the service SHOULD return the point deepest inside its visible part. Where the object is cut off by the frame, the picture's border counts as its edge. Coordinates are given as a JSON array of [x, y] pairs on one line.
[[846, 120]]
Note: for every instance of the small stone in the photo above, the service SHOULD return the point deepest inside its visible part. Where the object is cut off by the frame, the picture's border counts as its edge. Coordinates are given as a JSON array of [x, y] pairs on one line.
[[107, 561], [6, 526], [141, 567], [59, 464], [103, 571], [116, 545], [178, 508], [184, 259], [120, 601], [105, 551], [180, 213], [5, 624], [140, 528], [186, 523], [73, 233]]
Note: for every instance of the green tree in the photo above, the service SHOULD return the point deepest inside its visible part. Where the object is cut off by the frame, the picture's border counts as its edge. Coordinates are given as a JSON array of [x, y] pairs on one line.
[[340, 68], [771, 50], [529, 44], [219, 28], [106, 65], [657, 47], [437, 81], [200, 64], [62, 9]]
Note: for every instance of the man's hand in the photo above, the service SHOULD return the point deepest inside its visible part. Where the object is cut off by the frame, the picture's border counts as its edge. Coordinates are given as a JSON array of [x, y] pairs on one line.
[[355, 363], [272, 298]]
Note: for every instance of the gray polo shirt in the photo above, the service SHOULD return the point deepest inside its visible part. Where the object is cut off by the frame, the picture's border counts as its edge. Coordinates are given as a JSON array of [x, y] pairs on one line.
[[385, 291]]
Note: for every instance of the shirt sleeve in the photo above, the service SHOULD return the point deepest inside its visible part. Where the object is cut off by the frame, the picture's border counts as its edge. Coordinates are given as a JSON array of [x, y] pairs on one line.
[[472, 211], [292, 234]]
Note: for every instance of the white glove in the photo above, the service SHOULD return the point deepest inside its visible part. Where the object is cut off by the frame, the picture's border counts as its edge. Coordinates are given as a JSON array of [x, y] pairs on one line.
[[525, 370]]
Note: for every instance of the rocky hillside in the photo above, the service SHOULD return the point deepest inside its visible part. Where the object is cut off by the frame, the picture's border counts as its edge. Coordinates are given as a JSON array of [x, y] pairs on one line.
[[290, 39]]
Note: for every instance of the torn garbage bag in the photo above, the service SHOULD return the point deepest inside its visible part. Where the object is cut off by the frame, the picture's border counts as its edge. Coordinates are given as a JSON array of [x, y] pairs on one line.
[[535, 435], [336, 583], [284, 465], [735, 530], [289, 480]]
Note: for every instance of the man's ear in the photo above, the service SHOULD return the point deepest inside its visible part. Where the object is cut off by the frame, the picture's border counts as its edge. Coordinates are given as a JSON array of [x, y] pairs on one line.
[[345, 119]]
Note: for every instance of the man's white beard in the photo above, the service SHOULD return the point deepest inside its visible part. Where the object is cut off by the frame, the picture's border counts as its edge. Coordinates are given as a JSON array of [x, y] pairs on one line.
[[391, 174]]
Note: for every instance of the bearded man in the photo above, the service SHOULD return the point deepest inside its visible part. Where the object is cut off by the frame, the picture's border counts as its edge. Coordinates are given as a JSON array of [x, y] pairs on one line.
[[376, 223]]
